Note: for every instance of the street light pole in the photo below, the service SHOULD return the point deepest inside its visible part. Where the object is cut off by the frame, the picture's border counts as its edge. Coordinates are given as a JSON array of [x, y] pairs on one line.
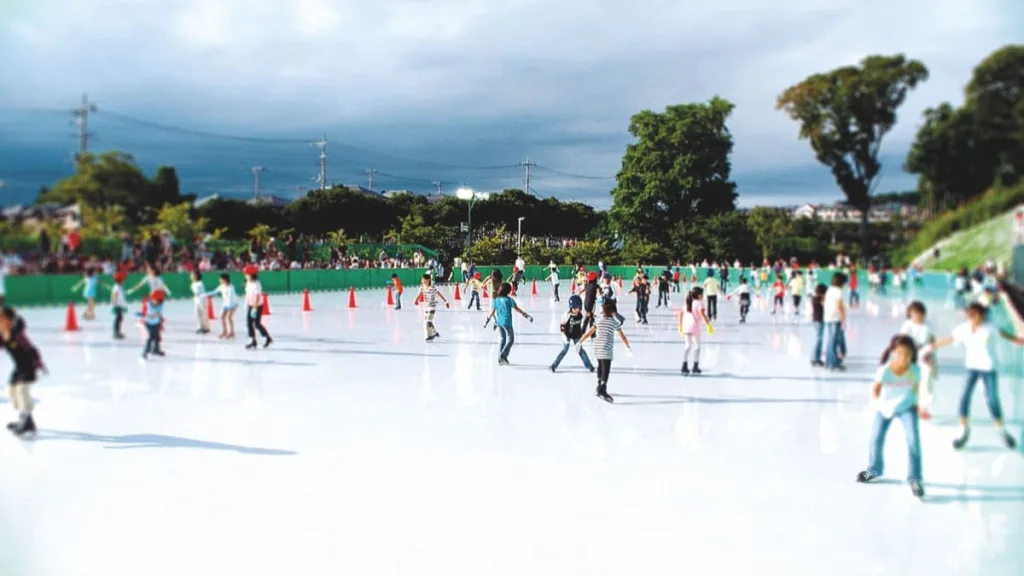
[[519, 238], [471, 197]]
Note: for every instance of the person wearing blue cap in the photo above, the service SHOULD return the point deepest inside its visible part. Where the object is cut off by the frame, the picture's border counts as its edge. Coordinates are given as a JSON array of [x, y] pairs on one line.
[[572, 330]]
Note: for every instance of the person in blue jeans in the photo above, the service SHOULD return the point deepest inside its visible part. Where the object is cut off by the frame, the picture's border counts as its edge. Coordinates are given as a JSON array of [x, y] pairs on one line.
[[818, 319], [572, 331], [894, 394], [978, 337], [501, 313], [834, 316], [153, 318]]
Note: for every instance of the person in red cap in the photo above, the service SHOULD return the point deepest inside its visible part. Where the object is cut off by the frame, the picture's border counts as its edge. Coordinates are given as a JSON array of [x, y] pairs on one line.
[[118, 304], [153, 318], [254, 308], [589, 299]]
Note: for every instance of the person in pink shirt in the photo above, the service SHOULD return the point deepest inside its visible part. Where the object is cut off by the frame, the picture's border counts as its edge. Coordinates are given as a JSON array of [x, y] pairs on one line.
[[691, 320]]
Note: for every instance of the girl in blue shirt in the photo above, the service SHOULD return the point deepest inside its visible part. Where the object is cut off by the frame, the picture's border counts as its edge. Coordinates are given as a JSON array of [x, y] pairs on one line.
[[153, 318], [90, 285], [894, 393], [501, 312]]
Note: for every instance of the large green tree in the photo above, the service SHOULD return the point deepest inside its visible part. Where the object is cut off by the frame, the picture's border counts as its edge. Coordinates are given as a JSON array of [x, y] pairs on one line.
[[677, 169], [996, 95], [846, 113]]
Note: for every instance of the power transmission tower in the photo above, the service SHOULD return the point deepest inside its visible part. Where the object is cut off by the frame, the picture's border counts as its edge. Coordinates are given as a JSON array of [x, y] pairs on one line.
[[527, 164], [322, 145], [256, 171], [370, 174], [437, 184], [81, 115]]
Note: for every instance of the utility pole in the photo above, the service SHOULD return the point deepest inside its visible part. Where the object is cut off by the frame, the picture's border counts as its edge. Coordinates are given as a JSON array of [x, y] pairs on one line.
[[322, 145], [370, 174], [256, 171], [81, 115], [437, 184], [527, 164]]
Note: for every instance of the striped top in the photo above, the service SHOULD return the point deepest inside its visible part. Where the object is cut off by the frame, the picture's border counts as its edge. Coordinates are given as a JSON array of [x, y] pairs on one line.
[[604, 336], [429, 296]]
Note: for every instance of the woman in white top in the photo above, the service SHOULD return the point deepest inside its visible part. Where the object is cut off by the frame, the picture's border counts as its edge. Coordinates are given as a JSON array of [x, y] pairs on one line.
[[254, 308], [153, 279], [978, 339]]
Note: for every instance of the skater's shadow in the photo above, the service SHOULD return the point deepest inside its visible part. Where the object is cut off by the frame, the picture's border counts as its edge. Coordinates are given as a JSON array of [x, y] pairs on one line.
[[240, 361], [356, 353], [129, 441], [293, 338], [973, 493], [980, 422], [654, 399]]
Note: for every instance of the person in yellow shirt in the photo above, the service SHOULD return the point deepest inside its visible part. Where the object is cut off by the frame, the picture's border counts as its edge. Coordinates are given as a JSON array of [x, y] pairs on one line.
[[711, 290]]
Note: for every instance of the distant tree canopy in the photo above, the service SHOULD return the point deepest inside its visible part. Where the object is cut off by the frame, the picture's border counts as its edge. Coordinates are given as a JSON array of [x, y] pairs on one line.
[[962, 151]]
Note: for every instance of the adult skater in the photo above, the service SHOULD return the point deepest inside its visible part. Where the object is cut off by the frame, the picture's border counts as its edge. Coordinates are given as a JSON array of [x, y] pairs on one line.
[[27, 362]]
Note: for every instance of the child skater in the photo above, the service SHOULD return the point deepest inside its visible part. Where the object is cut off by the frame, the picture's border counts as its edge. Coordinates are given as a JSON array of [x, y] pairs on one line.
[[254, 308], [153, 318], [429, 295], [501, 313], [642, 289], [553, 278], [572, 331], [919, 331], [796, 289], [712, 287], [153, 279], [90, 284], [779, 294], [894, 393], [590, 293], [818, 320], [27, 361], [228, 307], [397, 283], [604, 344], [473, 286], [118, 304], [743, 290], [200, 302], [978, 339], [690, 321]]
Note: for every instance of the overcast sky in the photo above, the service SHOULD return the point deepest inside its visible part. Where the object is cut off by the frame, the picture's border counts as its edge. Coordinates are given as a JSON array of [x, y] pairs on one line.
[[479, 82]]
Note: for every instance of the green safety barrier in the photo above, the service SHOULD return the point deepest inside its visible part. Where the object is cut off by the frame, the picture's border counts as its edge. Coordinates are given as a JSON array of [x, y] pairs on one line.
[[53, 290]]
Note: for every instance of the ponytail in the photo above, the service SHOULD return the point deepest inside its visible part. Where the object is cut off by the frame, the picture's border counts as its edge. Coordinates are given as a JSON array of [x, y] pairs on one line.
[[897, 341], [689, 301]]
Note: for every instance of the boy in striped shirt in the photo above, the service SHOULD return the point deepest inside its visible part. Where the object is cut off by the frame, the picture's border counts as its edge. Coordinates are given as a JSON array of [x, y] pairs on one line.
[[429, 295]]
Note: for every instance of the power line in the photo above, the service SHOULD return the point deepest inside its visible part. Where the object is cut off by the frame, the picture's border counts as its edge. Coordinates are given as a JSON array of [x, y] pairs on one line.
[[571, 175]]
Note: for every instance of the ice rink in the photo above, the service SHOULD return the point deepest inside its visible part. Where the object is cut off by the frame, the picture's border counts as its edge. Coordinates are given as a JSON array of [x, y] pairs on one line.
[[352, 447]]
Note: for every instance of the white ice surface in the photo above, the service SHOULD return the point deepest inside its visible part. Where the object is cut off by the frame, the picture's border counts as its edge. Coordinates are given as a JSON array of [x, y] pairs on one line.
[[352, 447]]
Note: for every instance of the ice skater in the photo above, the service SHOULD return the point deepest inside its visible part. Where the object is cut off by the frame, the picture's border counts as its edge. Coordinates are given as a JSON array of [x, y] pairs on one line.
[[978, 339], [778, 295], [254, 308], [153, 280], [894, 394], [917, 328], [796, 290], [199, 303], [153, 318], [118, 304], [90, 286], [664, 285], [553, 278], [711, 289], [473, 286], [642, 289], [429, 295], [818, 321], [501, 313], [571, 328], [27, 362], [691, 318], [399, 289], [605, 328], [228, 307], [742, 290]]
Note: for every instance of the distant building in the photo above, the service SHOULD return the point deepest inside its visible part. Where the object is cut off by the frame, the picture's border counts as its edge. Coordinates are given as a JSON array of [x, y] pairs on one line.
[[842, 212], [275, 201], [363, 190]]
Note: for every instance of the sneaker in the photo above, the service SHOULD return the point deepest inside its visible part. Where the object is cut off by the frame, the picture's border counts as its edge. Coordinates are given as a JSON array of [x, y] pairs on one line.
[[268, 342], [917, 488], [251, 345], [696, 369], [960, 442], [1009, 440], [865, 477], [686, 369], [552, 368]]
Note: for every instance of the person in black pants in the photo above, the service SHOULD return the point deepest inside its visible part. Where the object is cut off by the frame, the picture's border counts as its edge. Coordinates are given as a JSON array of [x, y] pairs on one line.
[[589, 299], [254, 305], [664, 285]]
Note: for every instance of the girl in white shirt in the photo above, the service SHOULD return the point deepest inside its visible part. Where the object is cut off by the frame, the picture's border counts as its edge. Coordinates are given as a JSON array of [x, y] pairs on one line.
[[254, 308], [918, 330], [153, 279], [199, 302], [978, 339], [229, 305]]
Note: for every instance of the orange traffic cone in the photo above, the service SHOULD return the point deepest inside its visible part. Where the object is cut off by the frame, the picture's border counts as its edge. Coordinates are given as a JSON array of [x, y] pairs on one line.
[[620, 281], [145, 310], [533, 288], [71, 322], [485, 293], [266, 305], [391, 296], [572, 286], [306, 305], [457, 295], [209, 308], [351, 297]]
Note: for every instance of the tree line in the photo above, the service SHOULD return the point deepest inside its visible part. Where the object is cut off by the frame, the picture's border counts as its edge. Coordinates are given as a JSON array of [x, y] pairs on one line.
[[673, 198]]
